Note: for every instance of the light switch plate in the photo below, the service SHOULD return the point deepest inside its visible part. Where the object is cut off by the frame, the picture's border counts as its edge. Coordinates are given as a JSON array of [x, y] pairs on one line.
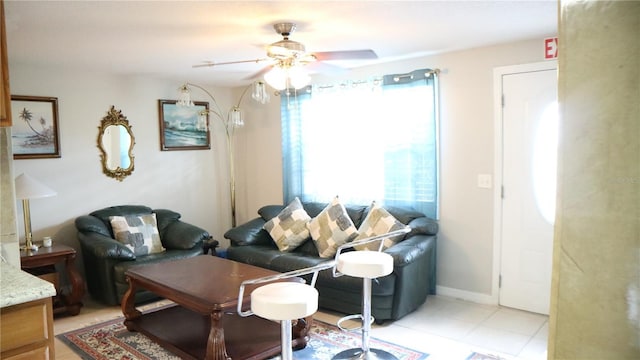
[[484, 181]]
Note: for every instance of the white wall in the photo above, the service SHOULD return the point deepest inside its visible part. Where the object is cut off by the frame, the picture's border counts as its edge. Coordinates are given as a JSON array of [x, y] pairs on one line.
[[259, 160], [193, 183], [465, 245]]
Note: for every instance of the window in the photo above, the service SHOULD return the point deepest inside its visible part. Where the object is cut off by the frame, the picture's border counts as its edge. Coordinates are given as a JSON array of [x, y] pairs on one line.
[[364, 142]]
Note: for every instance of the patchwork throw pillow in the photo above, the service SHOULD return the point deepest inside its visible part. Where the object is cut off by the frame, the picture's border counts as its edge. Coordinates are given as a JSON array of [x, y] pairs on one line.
[[332, 228], [138, 232], [289, 228], [378, 222]]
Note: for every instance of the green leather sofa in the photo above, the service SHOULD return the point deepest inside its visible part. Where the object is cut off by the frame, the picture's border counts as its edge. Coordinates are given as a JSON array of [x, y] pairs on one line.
[[106, 260], [393, 296]]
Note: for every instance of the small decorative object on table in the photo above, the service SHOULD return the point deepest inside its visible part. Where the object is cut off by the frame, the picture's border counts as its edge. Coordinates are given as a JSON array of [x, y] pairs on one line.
[[210, 245], [46, 241]]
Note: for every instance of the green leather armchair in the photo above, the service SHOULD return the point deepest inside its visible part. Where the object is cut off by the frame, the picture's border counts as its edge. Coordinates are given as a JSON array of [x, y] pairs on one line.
[[106, 260]]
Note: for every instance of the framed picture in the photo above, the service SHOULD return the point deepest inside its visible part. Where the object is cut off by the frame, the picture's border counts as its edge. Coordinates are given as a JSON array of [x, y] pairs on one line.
[[34, 132], [183, 127]]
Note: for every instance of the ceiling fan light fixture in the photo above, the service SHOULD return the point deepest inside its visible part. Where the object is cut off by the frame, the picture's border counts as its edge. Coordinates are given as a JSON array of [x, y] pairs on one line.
[[298, 78], [281, 78], [276, 78]]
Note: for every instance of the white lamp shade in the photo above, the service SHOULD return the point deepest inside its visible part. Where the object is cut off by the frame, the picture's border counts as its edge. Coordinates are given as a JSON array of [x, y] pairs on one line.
[[30, 188]]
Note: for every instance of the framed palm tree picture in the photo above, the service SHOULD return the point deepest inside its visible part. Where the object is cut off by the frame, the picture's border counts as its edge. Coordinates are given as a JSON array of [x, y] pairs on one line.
[[34, 132]]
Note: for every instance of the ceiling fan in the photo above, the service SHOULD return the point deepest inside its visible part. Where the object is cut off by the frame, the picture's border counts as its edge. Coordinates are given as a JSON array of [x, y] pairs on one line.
[[288, 56]]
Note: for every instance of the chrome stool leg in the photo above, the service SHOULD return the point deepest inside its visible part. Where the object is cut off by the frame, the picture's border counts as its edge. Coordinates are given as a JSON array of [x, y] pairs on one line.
[[365, 352], [285, 340]]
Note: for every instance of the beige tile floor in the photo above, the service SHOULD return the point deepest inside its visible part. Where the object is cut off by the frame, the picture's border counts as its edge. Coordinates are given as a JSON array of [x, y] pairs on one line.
[[445, 328]]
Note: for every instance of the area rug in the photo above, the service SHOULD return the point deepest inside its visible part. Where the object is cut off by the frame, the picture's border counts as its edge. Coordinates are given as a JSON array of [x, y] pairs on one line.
[[110, 340], [479, 356]]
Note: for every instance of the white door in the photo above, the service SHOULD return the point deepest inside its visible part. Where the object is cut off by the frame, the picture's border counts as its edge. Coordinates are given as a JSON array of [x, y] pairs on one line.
[[529, 162]]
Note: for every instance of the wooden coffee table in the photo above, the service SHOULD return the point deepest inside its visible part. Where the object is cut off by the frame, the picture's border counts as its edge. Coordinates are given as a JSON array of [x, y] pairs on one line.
[[204, 324]]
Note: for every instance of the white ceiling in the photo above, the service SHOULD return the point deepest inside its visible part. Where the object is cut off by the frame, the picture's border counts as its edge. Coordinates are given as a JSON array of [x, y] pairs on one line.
[[165, 38]]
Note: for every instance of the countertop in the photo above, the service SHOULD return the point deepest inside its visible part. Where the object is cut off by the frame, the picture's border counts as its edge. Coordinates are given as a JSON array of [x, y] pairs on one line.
[[17, 286]]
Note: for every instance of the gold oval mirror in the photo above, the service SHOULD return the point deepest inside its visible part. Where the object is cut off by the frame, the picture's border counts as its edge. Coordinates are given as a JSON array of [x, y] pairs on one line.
[[115, 141]]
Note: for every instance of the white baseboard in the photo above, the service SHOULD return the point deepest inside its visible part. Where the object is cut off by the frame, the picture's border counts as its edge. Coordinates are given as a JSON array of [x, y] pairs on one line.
[[475, 297]]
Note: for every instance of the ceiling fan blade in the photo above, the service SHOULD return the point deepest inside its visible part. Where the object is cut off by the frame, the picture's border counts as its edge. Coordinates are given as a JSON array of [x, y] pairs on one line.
[[204, 64], [263, 71], [325, 68], [345, 55], [211, 63]]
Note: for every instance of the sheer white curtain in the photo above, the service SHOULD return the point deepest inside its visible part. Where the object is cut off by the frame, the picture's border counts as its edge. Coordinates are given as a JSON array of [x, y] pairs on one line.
[[364, 142]]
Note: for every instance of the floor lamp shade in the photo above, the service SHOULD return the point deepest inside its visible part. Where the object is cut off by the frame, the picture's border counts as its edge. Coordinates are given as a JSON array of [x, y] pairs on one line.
[[29, 188]]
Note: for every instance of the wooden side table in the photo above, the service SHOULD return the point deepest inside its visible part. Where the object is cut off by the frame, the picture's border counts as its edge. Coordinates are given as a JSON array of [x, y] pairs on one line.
[[38, 262]]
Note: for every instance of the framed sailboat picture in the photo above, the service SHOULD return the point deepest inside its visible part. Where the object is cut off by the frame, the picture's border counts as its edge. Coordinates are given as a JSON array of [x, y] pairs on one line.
[[184, 127]]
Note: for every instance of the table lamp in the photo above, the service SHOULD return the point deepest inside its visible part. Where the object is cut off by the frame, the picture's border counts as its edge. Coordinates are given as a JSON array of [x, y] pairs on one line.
[[29, 188]]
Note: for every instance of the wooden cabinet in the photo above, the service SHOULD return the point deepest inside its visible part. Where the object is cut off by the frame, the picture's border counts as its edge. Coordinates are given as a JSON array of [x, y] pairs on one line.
[[27, 331], [5, 94]]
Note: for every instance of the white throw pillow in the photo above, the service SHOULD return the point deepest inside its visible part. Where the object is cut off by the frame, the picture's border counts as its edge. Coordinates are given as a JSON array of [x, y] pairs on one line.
[[332, 228], [138, 232], [289, 228]]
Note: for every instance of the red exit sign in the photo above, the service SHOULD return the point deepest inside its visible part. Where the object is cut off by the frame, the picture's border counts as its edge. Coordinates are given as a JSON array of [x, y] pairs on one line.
[[551, 48]]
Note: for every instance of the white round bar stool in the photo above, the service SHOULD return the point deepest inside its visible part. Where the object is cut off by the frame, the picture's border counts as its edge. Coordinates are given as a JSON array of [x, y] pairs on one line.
[[366, 265], [284, 302]]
